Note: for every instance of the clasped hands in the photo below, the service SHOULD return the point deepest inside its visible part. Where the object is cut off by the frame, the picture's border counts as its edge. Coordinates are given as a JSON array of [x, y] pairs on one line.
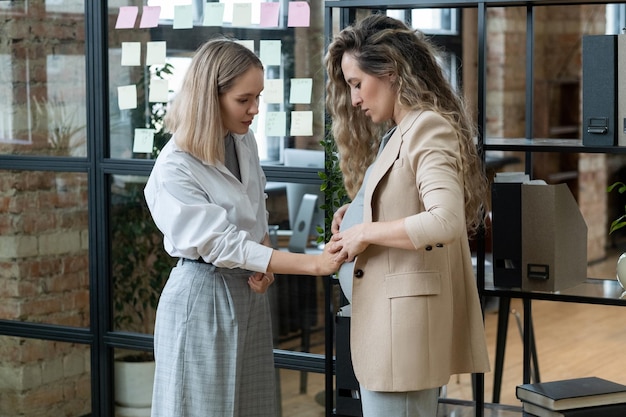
[[347, 244], [342, 247], [259, 282]]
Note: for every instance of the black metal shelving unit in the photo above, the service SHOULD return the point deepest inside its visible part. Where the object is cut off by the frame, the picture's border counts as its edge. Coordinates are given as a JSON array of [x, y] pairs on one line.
[[592, 291]]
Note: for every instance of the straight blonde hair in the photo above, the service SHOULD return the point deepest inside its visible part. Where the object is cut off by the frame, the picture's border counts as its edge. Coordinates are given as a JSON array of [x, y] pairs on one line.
[[195, 116]]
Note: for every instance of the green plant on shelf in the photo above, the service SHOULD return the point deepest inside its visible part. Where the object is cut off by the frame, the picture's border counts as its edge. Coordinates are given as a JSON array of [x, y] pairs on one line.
[[620, 222], [140, 265], [332, 186]]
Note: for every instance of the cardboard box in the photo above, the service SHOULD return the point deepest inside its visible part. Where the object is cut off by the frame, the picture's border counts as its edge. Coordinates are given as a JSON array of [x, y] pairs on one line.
[[539, 237], [554, 239]]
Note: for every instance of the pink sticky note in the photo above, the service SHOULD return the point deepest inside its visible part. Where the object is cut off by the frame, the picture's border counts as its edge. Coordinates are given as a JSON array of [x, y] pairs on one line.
[[299, 14], [269, 14], [126, 18], [150, 17]]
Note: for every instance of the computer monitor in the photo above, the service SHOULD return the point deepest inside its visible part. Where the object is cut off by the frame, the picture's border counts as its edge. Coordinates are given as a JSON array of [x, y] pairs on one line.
[[296, 191]]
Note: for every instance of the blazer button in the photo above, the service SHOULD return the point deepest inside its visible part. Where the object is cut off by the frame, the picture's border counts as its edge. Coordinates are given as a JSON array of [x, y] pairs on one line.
[[428, 247], [358, 273], [439, 245]]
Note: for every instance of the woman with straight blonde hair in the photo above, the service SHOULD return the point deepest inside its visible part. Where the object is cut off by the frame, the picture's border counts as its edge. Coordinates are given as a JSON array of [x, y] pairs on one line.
[[213, 338]]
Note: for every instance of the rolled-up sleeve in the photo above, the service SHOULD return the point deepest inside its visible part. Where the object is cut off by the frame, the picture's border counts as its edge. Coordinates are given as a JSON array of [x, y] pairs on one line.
[[226, 233], [437, 168]]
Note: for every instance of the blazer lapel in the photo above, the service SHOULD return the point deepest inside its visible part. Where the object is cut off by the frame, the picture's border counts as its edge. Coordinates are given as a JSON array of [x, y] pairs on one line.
[[382, 164], [385, 161]]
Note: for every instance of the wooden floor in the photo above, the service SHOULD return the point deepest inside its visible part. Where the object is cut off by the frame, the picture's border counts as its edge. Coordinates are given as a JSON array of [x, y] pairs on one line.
[[573, 340]]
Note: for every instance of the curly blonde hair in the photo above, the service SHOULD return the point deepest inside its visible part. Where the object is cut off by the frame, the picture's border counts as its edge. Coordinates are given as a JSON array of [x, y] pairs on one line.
[[384, 46]]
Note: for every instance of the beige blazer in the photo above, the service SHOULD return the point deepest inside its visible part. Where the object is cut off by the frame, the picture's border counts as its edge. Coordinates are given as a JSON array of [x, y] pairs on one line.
[[416, 317]]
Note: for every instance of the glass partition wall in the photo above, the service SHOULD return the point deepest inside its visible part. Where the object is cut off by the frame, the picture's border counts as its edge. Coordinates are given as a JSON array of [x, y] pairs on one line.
[[46, 281], [84, 89]]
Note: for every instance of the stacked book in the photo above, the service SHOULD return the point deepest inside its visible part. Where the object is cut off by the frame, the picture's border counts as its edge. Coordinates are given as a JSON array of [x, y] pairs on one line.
[[579, 397]]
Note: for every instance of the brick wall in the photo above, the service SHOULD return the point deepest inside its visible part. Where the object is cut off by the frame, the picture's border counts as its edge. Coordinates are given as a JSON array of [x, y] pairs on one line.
[[41, 378], [44, 278]]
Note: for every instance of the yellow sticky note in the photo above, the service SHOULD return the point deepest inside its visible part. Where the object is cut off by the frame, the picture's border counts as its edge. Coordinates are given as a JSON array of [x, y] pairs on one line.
[[275, 123], [270, 52], [158, 91], [242, 14], [144, 141], [183, 17], [213, 14], [301, 123], [156, 53], [131, 54], [274, 91], [301, 89], [127, 97]]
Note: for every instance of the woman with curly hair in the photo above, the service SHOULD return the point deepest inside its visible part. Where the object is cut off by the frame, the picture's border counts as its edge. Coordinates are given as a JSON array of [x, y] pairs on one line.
[[417, 185]]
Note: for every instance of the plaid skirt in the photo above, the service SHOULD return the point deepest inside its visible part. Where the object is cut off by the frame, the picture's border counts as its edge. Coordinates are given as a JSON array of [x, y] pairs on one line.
[[213, 346]]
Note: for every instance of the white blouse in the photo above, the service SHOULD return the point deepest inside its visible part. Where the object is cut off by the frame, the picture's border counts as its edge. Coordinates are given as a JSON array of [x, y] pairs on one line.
[[204, 211]]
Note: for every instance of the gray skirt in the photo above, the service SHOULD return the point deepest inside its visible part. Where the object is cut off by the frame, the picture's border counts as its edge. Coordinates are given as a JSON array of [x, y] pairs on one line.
[[213, 346]]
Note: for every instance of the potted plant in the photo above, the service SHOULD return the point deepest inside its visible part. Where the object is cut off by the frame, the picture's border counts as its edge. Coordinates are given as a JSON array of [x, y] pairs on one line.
[[140, 267], [617, 224], [332, 185], [66, 135]]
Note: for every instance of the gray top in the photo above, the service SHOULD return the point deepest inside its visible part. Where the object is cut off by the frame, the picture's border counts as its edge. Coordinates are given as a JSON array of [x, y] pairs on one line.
[[352, 216]]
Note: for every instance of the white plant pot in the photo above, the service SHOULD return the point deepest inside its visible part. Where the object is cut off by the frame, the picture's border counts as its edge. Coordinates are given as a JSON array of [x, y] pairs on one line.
[[621, 270], [133, 388]]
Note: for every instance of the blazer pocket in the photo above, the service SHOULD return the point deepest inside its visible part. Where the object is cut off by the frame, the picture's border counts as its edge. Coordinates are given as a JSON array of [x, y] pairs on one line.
[[412, 284]]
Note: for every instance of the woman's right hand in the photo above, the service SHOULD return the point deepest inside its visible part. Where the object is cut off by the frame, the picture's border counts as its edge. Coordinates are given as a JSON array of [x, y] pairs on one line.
[[260, 282], [337, 218]]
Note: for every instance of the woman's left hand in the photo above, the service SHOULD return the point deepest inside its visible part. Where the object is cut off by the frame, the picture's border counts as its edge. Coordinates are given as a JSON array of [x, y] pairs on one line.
[[351, 242], [260, 282]]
